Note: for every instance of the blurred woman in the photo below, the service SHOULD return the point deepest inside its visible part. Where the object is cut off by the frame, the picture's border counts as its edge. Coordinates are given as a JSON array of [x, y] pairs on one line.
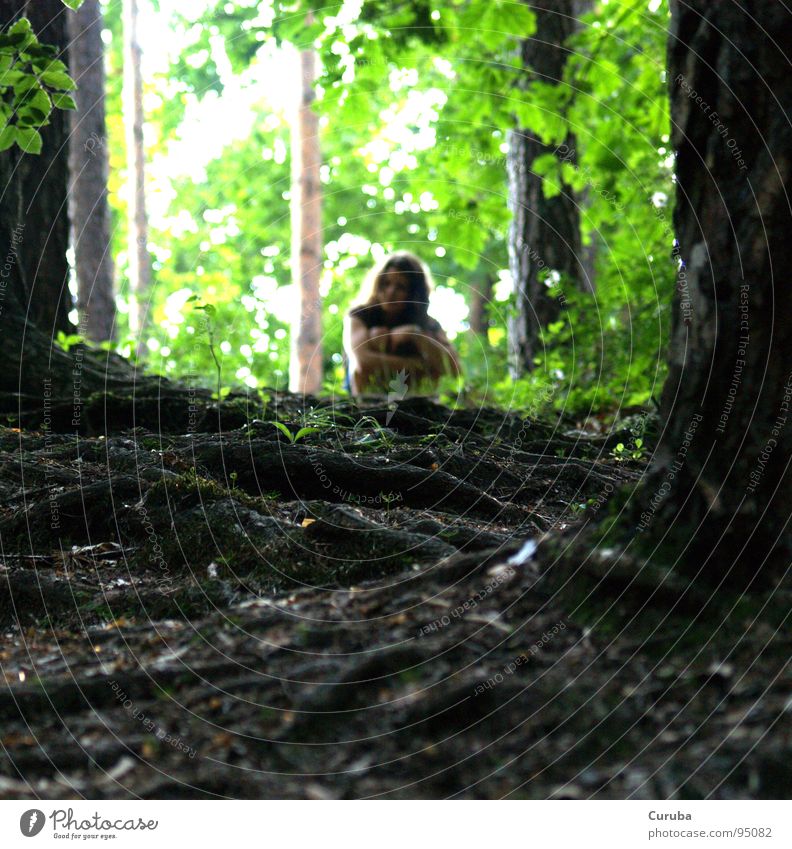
[[391, 331]]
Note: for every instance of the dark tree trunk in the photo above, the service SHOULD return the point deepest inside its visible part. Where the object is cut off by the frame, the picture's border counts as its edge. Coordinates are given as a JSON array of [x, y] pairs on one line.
[[41, 384], [480, 298], [33, 205], [89, 163], [545, 233], [719, 488]]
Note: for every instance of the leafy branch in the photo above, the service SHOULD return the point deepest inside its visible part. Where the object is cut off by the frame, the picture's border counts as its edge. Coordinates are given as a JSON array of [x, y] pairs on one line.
[[33, 82]]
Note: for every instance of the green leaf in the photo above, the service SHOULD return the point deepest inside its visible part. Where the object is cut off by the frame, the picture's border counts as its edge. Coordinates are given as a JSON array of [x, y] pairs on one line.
[[283, 429], [304, 431], [21, 26], [39, 102], [26, 83], [58, 79], [545, 164], [48, 64], [8, 41], [63, 101], [73, 4], [29, 140], [20, 35], [550, 188], [39, 53], [34, 108], [12, 77], [8, 136], [33, 120]]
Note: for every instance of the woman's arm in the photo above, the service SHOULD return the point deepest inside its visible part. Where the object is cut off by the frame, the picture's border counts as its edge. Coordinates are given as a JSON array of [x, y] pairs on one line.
[[362, 343], [367, 352], [435, 347]]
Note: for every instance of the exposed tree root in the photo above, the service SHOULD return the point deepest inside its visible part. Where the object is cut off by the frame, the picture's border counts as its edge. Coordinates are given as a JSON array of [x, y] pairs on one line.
[[394, 609]]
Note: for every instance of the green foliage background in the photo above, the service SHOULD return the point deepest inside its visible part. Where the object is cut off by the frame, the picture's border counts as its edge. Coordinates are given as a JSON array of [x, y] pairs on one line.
[[447, 74]]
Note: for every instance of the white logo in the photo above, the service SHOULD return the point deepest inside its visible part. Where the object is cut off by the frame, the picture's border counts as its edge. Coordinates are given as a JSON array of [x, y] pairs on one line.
[[397, 391]]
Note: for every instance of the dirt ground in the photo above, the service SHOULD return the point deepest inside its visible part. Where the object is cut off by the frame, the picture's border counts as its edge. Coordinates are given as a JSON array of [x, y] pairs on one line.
[[408, 603]]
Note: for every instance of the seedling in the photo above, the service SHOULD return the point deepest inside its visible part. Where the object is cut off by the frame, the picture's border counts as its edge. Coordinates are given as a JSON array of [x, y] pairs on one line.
[[388, 499], [298, 435], [210, 311], [623, 452], [383, 435], [314, 421]]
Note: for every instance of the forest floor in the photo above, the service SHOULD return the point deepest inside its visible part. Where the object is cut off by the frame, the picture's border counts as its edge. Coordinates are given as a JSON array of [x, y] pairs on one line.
[[409, 603]]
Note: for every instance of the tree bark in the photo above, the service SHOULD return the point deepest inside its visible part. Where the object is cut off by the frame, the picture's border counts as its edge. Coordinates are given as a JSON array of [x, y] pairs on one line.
[[42, 385], [34, 228], [33, 205], [139, 257], [481, 296], [90, 166], [720, 486], [544, 233], [306, 346]]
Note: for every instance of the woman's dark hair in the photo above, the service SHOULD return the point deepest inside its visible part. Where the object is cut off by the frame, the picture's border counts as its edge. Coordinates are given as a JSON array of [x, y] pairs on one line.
[[417, 301]]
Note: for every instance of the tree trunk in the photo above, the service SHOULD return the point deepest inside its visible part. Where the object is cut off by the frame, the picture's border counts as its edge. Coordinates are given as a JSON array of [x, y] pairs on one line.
[[89, 164], [34, 221], [42, 385], [306, 347], [139, 258], [544, 233], [34, 228], [719, 487], [481, 297]]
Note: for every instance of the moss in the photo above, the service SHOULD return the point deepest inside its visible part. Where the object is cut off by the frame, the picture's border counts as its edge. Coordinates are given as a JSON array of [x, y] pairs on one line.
[[411, 676], [184, 491], [170, 496]]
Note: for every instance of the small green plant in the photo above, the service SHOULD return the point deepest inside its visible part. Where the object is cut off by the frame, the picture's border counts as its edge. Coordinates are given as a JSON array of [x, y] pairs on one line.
[[623, 452], [210, 311], [67, 341], [296, 436], [382, 434], [324, 418], [314, 421], [388, 499], [438, 439]]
